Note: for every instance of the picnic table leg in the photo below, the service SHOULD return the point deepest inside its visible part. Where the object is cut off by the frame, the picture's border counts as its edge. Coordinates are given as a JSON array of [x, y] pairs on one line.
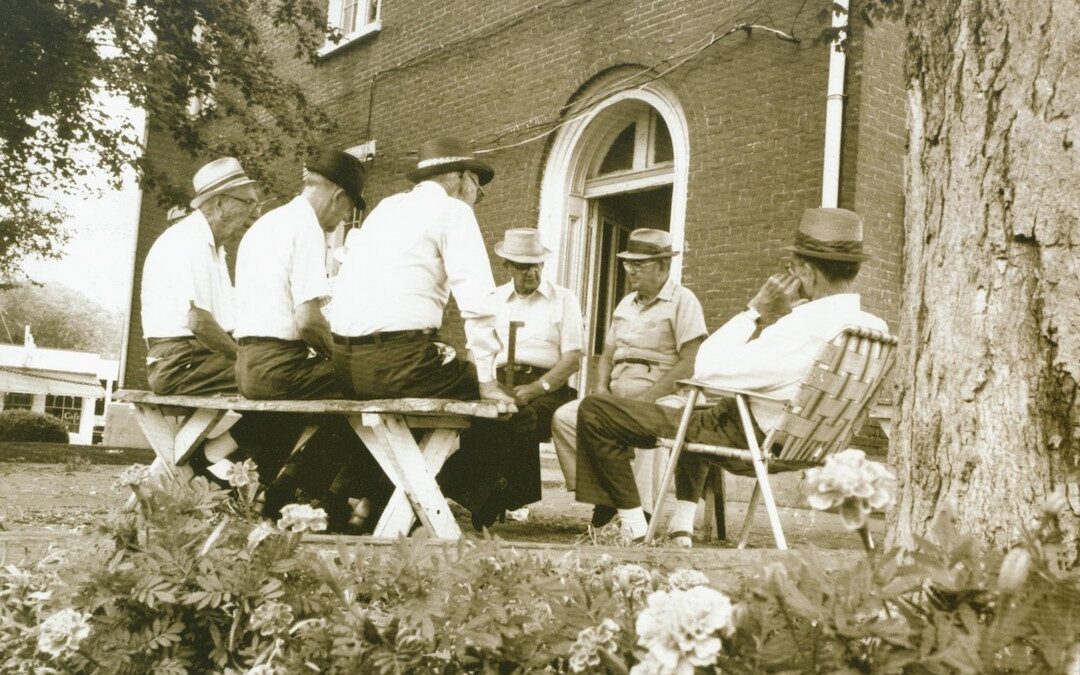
[[398, 516], [173, 443], [305, 436], [391, 444]]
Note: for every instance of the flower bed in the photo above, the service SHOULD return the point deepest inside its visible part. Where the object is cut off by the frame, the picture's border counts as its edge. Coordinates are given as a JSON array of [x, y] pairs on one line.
[[193, 581]]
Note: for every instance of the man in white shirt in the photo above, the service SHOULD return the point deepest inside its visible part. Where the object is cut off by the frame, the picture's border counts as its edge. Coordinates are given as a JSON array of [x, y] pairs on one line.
[[651, 344], [285, 345], [548, 344], [412, 252], [825, 261]]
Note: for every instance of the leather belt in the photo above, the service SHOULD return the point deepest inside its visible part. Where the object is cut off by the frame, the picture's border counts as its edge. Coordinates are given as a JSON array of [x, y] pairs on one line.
[[526, 369], [385, 336], [151, 341], [643, 362], [254, 340]]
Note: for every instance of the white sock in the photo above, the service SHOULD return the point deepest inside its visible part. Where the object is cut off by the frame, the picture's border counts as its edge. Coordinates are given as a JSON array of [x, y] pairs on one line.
[[682, 519], [219, 447], [633, 521]]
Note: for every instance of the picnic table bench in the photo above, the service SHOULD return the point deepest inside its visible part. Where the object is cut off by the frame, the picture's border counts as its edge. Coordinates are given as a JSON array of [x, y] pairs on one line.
[[176, 425]]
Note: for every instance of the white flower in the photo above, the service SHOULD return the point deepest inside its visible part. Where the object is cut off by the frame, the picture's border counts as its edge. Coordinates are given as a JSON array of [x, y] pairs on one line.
[[585, 652], [134, 476], [271, 617], [684, 579], [258, 533], [682, 629], [631, 578], [241, 474], [850, 482], [63, 632], [302, 518]]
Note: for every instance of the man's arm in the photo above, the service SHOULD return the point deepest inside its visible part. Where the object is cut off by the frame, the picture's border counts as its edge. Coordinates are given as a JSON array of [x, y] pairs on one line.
[[683, 369], [209, 332], [603, 370], [566, 366], [314, 328]]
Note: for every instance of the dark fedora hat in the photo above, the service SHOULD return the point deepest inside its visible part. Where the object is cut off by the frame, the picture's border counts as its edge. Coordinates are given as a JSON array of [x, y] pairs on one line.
[[343, 170], [830, 234], [446, 155]]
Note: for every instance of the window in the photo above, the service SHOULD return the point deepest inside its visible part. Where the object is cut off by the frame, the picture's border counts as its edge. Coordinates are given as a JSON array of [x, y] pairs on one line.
[[68, 409], [17, 401], [354, 19]]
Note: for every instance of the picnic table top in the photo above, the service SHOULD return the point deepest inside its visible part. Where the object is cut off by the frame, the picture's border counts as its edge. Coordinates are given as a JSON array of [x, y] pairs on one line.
[[400, 406]]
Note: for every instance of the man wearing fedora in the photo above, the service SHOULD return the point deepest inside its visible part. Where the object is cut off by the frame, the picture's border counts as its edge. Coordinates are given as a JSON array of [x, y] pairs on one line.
[[548, 346], [413, 251], [651, 343], [793, 315], [187, 303], [285, 345]]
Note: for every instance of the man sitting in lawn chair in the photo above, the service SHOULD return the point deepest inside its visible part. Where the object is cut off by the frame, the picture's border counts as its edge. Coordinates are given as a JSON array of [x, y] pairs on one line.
[[826, 258]]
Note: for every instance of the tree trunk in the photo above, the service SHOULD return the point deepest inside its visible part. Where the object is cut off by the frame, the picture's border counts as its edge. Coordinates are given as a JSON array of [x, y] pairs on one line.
[[990, 338]]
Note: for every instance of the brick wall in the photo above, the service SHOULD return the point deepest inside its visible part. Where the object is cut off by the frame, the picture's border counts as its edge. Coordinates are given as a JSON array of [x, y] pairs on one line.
[[755, 107]]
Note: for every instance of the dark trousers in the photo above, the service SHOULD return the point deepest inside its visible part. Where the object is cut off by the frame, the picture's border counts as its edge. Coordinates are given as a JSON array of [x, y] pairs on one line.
[[545, 404], [272, 369], [184, 367], [484, 472], [609, 428]]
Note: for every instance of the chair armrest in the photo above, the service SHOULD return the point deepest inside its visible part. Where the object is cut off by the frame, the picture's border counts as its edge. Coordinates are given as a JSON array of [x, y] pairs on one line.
[[725, 392]]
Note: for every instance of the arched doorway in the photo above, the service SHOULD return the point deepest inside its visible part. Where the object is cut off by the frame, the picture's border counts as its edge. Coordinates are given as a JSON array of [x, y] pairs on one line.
[[620, 166]]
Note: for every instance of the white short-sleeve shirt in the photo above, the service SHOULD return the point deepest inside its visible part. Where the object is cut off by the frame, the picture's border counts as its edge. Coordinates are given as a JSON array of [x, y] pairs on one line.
[[552, 317], [281, 264]]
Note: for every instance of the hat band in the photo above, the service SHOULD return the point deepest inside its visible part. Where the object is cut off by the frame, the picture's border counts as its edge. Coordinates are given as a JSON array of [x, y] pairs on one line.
[[224, 180], [435, 161], [815, 245], [646, 248]]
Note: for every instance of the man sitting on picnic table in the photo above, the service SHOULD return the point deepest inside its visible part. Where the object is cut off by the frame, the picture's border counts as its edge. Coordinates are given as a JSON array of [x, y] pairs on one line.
[[548, 344], [413, 251], [285, 344], [188, 311], [651, 344], [826, 257]]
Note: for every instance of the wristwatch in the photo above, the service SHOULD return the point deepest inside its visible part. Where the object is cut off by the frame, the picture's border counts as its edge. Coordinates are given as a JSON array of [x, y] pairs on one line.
[[752, 314], [544, 385]]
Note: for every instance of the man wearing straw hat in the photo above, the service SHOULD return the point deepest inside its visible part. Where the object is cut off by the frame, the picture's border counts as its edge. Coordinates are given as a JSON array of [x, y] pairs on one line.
[[413, 251], [187, 303], [651, 344], [548, 343], [796, 312]]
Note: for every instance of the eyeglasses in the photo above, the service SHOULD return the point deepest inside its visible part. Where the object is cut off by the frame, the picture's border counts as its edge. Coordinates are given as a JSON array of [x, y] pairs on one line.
[[635, 265], [479, 190], [523, 267], [253, 203]]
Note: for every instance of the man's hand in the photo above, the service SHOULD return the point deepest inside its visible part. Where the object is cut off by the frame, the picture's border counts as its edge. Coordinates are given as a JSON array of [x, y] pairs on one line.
[[493, 390], [314, 328], [208, 331], [523, 393], [775, 298]]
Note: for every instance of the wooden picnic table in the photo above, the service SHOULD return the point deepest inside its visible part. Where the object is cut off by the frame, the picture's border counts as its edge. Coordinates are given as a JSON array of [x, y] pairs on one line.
[[176, 425]]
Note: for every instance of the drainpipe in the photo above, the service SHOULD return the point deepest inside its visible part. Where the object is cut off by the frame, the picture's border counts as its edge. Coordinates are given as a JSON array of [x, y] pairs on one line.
[[834, 110]]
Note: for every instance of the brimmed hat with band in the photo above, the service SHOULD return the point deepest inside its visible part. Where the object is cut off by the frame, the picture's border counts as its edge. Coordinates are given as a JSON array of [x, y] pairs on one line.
[[522, 245], [648, 244], [446, 155], [220, 175], [830, 234], [342, 169]]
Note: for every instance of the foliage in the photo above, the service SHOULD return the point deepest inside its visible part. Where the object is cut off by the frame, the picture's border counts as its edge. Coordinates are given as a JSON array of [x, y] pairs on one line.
[[60, 318], [25, 426], [191, 580], [60, 57]]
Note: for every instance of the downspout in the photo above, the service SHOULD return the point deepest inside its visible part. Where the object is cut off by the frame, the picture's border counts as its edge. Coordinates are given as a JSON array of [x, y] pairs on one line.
[[834, 108]]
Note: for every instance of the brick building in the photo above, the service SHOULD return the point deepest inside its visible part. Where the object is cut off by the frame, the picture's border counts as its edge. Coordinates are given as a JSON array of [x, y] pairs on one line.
[[604, 115]]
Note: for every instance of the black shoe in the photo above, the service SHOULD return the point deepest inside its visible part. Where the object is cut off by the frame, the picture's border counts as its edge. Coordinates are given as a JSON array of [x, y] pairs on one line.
[[602, 515], [200, 466], [486, 515]]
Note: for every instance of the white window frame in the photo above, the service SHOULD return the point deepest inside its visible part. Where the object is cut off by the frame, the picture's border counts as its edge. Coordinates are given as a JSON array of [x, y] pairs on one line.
[[333, 16]]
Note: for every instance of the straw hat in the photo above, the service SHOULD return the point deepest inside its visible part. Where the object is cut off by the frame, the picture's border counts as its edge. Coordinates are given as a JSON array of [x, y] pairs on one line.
[[648, 244], [216, 177], [830, 234], [446, 155], [342, 169], [522, 245]]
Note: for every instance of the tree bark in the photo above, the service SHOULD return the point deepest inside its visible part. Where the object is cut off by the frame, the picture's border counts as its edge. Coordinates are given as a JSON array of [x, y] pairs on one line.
[[990, 337]]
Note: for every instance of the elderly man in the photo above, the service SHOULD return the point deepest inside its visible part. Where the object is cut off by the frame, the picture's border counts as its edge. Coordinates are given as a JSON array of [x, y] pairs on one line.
[[547, 348], [187, 302], [285, 345], [826, 257], [651, 344], [414, 250]]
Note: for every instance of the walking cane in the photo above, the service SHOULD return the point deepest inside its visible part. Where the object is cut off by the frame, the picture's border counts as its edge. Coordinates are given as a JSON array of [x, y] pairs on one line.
[[510, 353]]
